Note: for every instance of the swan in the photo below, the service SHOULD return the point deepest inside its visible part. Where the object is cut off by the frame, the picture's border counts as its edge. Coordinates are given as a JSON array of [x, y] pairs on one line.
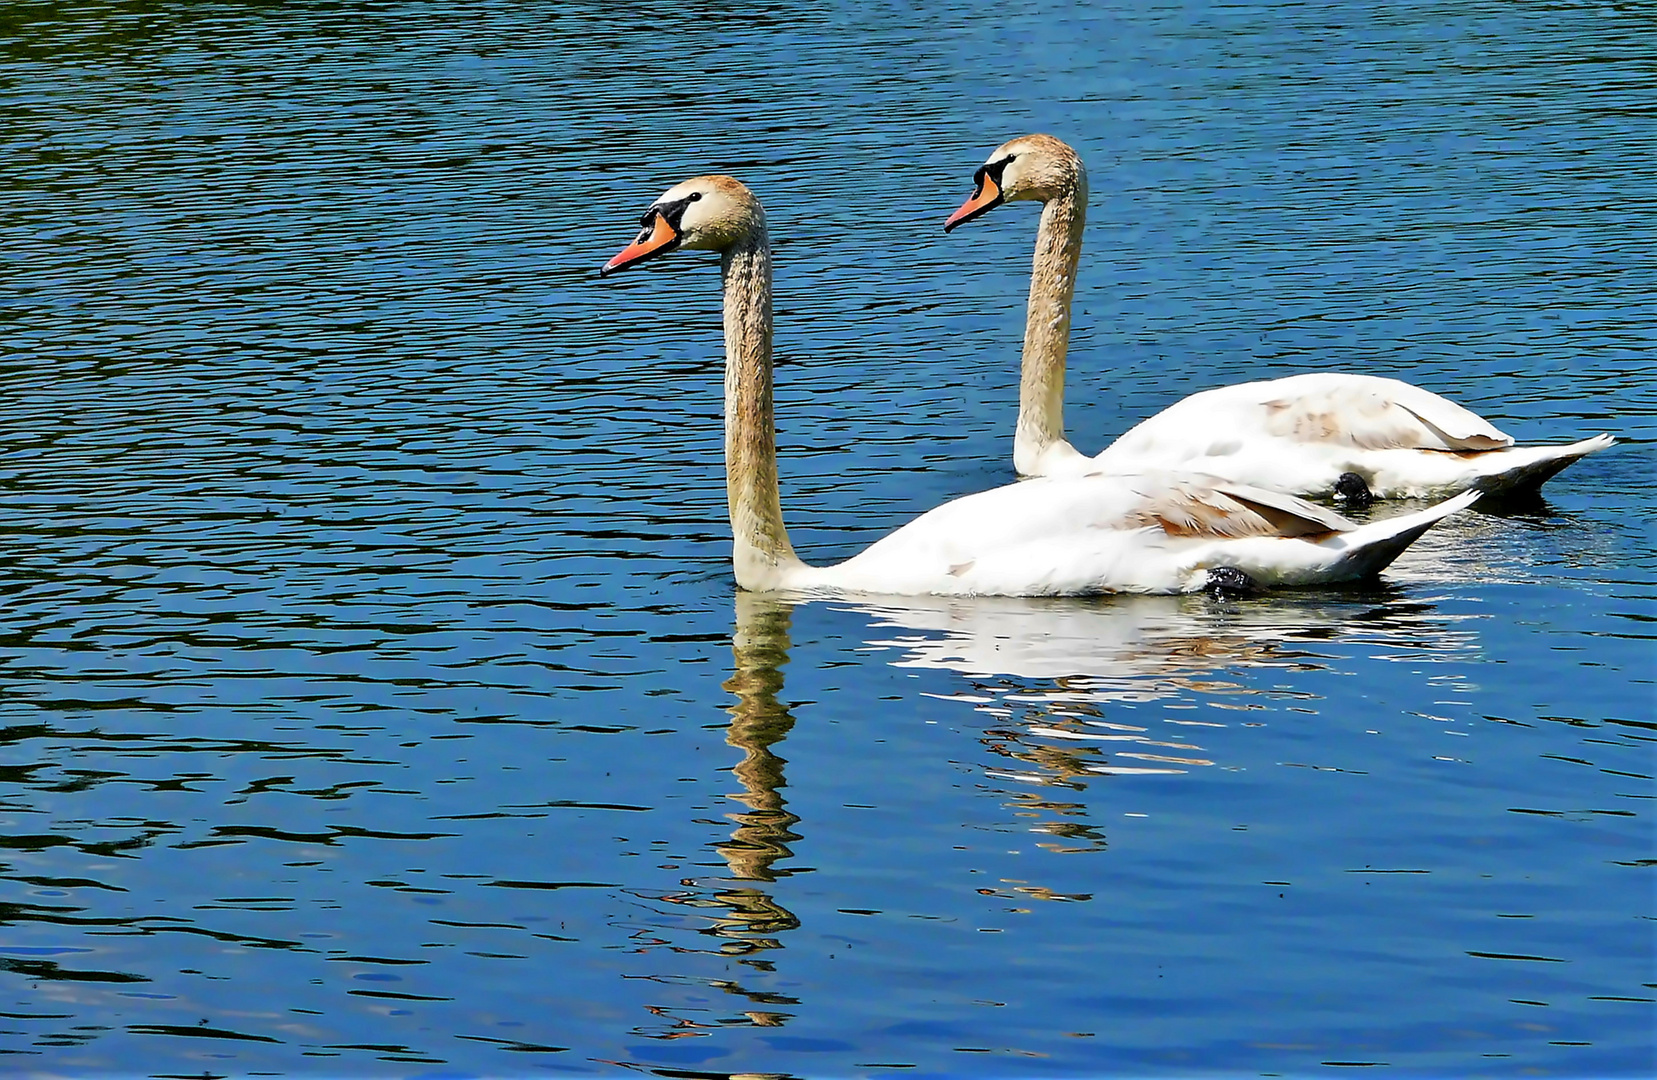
[[1303, 434], [1059, 535]]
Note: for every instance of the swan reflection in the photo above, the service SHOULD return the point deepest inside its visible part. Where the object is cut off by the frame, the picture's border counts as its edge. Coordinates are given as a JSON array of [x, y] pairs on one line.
[[1065, 692], [759, 647], [1061, 677], [744, 917]]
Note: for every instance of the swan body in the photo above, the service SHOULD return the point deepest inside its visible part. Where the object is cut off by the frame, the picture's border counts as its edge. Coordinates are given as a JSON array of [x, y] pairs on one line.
[[1300, 433], [1149, 532], [1297, 434]]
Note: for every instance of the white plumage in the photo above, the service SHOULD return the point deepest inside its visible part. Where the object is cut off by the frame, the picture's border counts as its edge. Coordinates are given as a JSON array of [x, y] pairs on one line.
[[1144, 533], [1147, 532], [1297, 434]]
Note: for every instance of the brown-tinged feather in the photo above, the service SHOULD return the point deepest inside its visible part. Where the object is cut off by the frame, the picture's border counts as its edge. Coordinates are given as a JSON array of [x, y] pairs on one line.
[[1229, 511]]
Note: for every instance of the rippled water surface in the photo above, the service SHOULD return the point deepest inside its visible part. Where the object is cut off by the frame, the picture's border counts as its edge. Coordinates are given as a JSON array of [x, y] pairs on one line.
[[376, 698]]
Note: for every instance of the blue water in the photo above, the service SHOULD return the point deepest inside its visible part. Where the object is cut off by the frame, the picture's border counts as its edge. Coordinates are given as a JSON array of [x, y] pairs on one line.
[[375, 696]]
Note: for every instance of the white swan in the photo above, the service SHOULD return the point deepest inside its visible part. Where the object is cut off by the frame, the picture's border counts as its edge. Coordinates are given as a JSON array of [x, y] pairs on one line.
[[1058, 535], [1298, 434]]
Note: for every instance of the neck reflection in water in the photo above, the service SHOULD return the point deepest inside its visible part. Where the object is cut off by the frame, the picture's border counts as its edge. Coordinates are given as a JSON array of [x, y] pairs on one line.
[[758, 721], [751, 919], [1074, 692]]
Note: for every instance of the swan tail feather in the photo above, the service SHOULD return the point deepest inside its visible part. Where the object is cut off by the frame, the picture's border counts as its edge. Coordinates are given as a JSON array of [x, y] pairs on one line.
[[1521, 471], [1371, 548]]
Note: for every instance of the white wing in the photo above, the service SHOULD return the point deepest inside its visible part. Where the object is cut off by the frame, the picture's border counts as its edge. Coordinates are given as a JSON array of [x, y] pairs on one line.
[[1363, 412], [1301, 433]]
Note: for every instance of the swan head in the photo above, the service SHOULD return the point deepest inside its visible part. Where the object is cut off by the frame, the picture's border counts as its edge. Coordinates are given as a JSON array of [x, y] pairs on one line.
[[707, 213], [1038, 167]]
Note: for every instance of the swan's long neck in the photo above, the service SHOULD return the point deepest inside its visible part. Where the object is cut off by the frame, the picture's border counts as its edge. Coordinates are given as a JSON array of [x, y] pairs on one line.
[[1047, 329], [762, 554]]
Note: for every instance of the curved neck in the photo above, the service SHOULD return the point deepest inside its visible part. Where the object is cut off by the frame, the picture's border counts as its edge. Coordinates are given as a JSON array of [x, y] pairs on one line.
[[1047, 327], [762, 553]]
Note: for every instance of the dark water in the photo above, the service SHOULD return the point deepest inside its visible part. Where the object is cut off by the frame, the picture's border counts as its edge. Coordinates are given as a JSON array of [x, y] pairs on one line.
[[375, 697]]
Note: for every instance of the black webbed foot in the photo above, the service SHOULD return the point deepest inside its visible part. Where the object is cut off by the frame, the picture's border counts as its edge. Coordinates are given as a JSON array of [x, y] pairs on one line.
[[1229, 581], [1351, 490]]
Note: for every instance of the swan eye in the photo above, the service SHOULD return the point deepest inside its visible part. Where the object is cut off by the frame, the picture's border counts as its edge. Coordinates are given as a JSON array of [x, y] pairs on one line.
[[993, 170], [674, 212]]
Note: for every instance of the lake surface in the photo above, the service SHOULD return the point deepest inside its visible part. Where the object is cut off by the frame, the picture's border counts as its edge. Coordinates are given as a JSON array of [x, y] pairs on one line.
[[375, 696]]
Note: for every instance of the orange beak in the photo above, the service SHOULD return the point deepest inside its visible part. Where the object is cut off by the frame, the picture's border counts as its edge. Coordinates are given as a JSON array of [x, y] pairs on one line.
[[658, 236], [985, 199]]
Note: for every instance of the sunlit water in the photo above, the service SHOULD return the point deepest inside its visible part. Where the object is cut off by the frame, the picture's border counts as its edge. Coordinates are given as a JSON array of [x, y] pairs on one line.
[[376, 697]]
